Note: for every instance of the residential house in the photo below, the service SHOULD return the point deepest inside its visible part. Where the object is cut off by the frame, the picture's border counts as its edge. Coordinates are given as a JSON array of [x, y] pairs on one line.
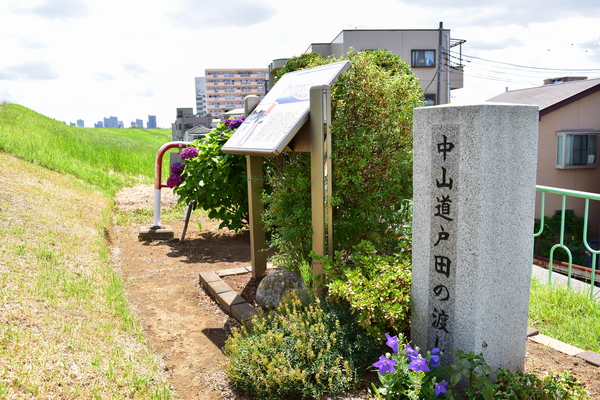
[[427, 51], [569, 126]]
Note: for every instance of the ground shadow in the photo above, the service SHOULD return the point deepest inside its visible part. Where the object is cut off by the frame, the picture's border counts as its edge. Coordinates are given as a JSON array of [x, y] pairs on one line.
[[212, 248]]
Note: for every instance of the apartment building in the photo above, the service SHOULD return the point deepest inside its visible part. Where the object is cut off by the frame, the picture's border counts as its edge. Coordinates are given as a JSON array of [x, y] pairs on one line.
[[226, 88], [435, 58], [201, 110]]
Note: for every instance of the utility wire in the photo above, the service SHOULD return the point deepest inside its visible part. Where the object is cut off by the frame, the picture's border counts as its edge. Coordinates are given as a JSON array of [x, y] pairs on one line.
[[535, 68]]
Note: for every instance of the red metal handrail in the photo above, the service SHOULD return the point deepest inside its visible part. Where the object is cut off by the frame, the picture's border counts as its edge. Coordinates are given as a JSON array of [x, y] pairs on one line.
[[158, 176]]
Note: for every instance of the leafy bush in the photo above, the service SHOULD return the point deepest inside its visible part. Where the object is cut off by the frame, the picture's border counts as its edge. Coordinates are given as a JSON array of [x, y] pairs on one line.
[[377, 287], [371, 132], [573, 238], [214, 181], [510, 385], [299, 349]]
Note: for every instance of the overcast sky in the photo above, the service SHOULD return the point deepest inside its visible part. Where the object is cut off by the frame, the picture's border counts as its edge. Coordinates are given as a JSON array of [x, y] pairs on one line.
[[84, 59]]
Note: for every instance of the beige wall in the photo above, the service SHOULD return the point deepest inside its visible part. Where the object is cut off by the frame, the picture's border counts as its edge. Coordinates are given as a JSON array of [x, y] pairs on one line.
[[582, 114], [402, 43]]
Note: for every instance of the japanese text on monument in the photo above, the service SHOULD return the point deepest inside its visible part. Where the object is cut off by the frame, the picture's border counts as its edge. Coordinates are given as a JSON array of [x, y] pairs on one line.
[[443, 236]]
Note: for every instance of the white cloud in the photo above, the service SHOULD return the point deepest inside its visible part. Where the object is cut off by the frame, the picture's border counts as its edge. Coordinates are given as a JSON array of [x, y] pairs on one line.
[[203, 14], [103, 76], [52, 9], [30, 71], [145, 93], [134, 69], [508, 12]]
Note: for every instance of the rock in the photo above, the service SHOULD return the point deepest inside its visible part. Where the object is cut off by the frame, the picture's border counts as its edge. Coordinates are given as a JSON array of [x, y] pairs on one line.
[[275, 285]]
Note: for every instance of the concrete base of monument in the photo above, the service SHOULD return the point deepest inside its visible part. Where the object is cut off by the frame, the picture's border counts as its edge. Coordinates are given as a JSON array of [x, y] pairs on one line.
[[161, 232]]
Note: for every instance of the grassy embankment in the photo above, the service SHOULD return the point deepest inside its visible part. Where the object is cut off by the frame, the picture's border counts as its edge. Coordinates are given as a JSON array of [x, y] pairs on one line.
[[107, 158], [65, 327]]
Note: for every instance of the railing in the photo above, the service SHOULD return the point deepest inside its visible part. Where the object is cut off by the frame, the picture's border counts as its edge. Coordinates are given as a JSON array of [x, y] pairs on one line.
[[564, 193], [158, 176]]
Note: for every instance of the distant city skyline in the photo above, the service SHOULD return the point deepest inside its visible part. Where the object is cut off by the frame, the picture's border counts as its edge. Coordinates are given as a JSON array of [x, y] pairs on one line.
[[114, 122]]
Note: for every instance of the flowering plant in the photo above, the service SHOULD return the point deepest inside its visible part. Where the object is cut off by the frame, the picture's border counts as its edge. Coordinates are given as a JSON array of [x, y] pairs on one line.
[[408, 375], [188, 153], [214, 181], [234, 123]]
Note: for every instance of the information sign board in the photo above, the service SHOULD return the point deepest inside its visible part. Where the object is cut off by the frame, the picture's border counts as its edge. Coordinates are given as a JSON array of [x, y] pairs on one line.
[[280, 115]]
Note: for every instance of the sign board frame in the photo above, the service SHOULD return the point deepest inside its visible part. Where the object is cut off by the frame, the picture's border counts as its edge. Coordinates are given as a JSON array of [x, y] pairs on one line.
[[276, 120]]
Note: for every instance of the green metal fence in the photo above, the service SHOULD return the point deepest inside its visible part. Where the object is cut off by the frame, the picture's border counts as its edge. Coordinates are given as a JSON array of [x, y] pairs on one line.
[[573, 193]]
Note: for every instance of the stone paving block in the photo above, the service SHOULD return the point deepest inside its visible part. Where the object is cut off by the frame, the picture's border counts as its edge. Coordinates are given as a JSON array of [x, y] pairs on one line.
[[228, 299], [243, 312], [155, 233], [208, 276], [232, 271], [591, 357], [217, 287], [556, 344], [532, 332]]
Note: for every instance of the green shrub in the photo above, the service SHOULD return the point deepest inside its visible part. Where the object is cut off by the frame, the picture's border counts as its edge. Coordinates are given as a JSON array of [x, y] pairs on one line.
[[511, 385], [299, 349], [377, 287], [371, 132], [216, 182], [573, 238]]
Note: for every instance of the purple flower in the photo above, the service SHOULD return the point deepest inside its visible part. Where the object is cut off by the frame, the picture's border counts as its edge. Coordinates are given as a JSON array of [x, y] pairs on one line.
[[234, 123], [419, 364], [392, 341], [435, 357], [412, 354], [177, 168], [385, 365], [174, 180], [440, 388], [189, 152]]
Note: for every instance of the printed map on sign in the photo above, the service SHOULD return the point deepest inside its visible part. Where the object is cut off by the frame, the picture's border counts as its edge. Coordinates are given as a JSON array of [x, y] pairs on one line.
[[283, 111]]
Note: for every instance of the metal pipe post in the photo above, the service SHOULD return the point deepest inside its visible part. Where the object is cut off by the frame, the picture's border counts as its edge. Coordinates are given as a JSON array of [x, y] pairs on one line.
[[320, 116]]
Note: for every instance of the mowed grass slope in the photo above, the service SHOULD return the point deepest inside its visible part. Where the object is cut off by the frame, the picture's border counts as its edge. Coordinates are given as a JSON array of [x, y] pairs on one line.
[[65, 327], [108, 158]]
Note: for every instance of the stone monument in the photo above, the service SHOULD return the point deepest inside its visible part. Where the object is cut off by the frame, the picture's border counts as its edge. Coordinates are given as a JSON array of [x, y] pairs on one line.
[[473, 211]]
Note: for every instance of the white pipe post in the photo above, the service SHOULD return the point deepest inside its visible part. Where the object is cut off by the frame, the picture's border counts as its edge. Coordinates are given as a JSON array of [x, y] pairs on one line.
[[156, 222]]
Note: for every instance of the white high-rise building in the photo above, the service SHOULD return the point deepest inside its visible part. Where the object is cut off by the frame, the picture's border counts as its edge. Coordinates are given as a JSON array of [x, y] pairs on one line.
[[226, 88], [201, 110]]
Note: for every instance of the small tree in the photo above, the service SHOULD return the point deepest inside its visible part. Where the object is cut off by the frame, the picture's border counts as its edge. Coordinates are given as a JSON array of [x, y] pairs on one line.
[[371, 131]]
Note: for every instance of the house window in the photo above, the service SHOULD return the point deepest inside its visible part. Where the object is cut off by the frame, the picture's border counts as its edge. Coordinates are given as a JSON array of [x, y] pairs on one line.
[[423, 58], [577, 149]]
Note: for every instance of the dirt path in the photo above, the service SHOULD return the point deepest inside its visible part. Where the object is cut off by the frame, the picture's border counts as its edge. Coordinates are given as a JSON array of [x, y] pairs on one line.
[[180, 321], [186, 327]]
